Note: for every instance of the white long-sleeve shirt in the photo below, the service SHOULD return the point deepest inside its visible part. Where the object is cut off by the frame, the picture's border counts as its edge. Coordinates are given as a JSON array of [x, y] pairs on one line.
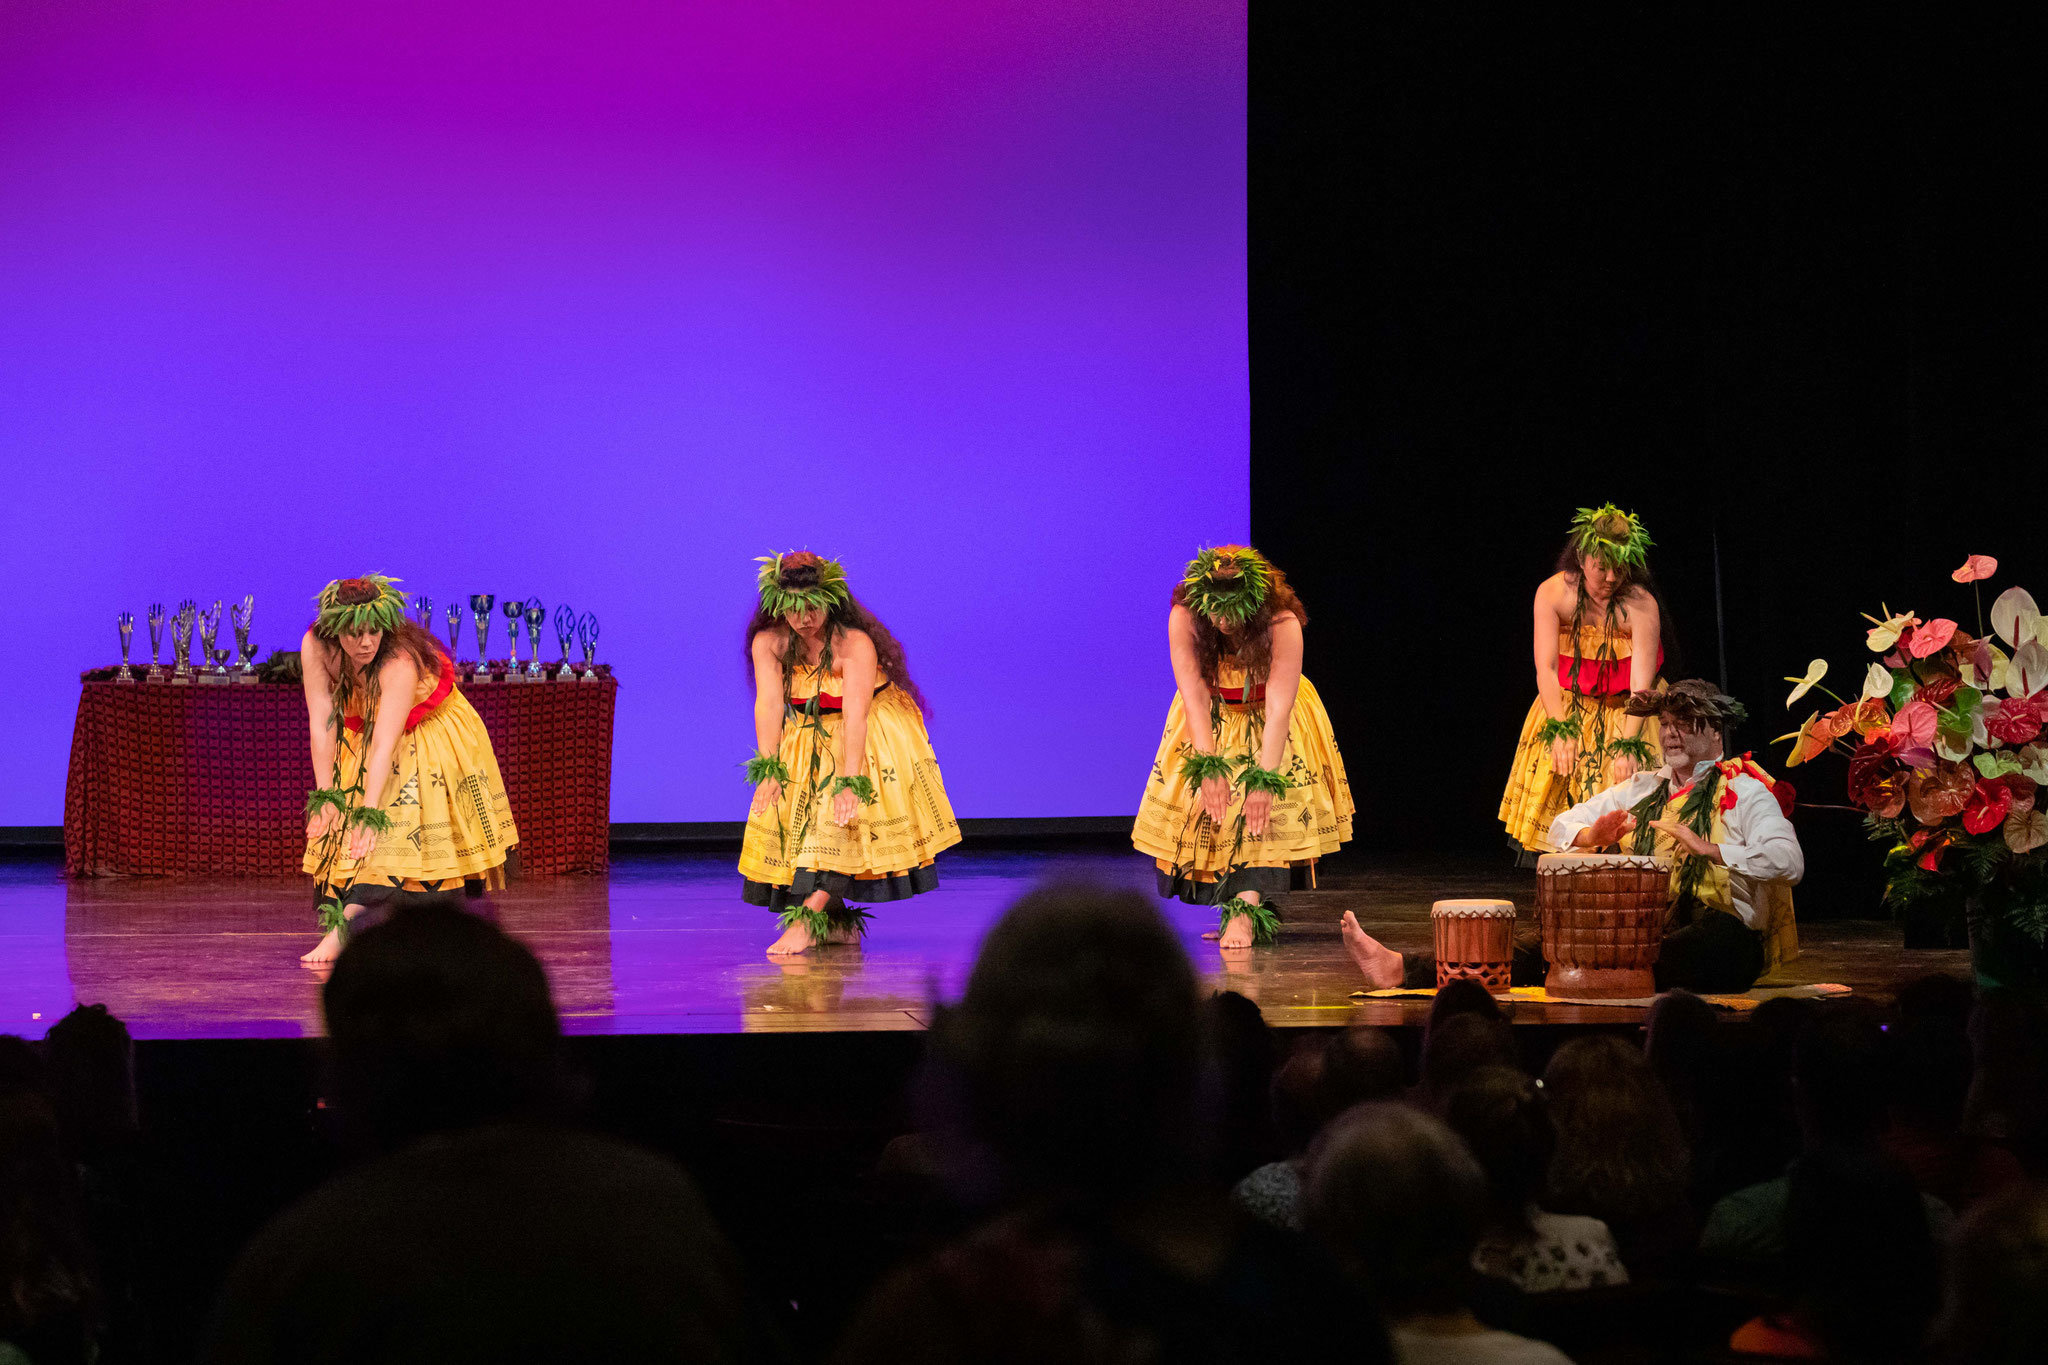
[[1760, 849]]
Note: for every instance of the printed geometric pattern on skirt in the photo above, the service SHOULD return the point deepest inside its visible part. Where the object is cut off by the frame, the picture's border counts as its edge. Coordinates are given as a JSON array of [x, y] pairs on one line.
[[450, 819], [886, 853], [1312, 819], [1536, 795]]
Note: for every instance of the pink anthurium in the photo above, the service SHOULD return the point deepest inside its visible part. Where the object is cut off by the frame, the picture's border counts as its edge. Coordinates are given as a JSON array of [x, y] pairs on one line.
[[1974, 568], [1930, 638]]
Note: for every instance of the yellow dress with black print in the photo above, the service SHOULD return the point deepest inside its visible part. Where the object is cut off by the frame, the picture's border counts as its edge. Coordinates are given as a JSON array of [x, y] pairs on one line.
[[1594, 666], [450, 820], [1203, 863], [795, 848]]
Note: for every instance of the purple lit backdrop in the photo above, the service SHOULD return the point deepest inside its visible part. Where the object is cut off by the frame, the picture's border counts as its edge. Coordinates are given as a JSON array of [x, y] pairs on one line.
[[599, 301]]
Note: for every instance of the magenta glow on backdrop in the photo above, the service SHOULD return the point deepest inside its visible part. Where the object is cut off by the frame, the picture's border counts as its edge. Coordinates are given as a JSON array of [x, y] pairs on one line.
[[598, 301]]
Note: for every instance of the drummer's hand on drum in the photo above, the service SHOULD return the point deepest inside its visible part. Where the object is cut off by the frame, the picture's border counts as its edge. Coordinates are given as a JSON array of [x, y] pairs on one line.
[[767, 792], [1258, 806], [1608, 829], [1688, 838], [1564, 755], [1216, 798]]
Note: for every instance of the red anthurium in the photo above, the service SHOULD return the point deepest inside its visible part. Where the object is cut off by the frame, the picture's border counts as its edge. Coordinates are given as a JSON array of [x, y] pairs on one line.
[[1989, 804], [1974, 568], [1786, 796], [2018, 720], [1930, 843]]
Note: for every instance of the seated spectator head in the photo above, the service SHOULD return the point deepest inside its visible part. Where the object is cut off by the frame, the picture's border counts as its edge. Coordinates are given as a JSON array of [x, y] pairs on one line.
[[1461, 1045], [1078, 1045], [22, 1070], [1860, 1255], [1838, 1076], [1461, 995], [1928, 1064], [1505, 1122], [1300, 1093], [1620, 1150], [1400, 1202], [92, 1076], [1364, 1064], [1996, 1310], [1242, 1053], [46, 1275], [439, 1021]]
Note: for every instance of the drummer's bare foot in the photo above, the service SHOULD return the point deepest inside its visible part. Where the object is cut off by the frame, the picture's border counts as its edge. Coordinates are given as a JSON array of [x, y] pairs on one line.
[[1381, 966]]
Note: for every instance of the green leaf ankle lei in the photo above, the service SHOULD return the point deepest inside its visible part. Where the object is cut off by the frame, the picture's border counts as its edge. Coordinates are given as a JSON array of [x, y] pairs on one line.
[[836, 916], [861, 787], [1199, 768], [761, 767], [1265, 924]]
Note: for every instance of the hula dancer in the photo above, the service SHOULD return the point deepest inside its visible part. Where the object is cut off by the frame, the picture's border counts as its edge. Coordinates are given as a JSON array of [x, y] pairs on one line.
[[427, 810], [847, 795], [1247, 783], [1599, 638]]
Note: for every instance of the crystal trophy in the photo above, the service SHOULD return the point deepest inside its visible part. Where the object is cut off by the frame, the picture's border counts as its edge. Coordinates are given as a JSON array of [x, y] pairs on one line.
[[156, 640], [209, 632], [514, 611], [125, 623], [565, 631], [480, 607], [181, 642], [536, 617], [425, 605], [586, 635], [243, 614], [454, 628]]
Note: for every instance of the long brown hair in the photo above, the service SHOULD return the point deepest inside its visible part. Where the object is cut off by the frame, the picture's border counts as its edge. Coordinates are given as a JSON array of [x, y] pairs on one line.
[[1621, 1153], [800, 571], [1251, 644], [409, 638]]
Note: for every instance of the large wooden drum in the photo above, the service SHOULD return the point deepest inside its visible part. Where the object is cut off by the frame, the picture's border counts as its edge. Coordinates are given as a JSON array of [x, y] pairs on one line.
[[1474, 939], [1602, 918]]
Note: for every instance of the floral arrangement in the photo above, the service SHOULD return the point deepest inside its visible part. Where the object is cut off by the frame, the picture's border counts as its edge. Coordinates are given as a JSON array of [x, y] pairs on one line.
[[1946, 754]]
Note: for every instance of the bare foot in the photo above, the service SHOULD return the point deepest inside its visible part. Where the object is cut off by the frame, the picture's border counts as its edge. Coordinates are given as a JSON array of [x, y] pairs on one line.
[[328, 949], [795, 939], [1237, 934], [1380, 965]]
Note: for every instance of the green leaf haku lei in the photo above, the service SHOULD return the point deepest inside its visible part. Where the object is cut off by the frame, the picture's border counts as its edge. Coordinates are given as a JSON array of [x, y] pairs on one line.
[[1613, 535], [1265, 924], [777, 600], [1235, 597], [383, 611]]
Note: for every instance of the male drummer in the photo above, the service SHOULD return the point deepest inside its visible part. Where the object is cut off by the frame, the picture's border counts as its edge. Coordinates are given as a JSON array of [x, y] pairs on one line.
[[1735, 857]]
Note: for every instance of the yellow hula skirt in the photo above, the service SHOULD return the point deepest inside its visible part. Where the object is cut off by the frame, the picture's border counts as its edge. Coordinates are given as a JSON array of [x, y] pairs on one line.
[[1594, 670], [887, 853], [1202, 864], [450, 821]]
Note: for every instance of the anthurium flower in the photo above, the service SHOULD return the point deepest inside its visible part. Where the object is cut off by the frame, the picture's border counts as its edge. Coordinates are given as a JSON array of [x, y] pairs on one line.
[[2026, 830], [1974, 568], [1930, 843], [1915, 724], [1815, 671], [2024, 790], [1984, 666], [1989, 804], [1805, 743], [1869, 717], [1996, 762], [1877, 779], [2028, 671], [1931, 638], [1877, 682], [2034, 761], [2018, 720], [1886, 633], [1940, 792], [2014, 616]]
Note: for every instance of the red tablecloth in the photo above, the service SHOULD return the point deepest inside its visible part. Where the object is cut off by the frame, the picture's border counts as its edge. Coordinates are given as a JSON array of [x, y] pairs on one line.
[[212, 781]]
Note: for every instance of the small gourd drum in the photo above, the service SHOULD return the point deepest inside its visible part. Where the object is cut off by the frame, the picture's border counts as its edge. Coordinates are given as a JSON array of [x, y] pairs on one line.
[[1602, 919], [1474, 939]]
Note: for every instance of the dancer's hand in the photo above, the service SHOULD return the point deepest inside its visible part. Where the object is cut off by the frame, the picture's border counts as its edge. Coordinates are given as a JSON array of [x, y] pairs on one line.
[[1621, 768], [1216, 798], [1564, 755], [321, 823], [361, 839], [1258, 806], [1608, 829], [767, 794], [845, 806]]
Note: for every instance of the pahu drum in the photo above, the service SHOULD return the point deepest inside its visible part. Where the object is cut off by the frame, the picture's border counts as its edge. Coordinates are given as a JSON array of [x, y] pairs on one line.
[[1602, 919], [1474, 939]]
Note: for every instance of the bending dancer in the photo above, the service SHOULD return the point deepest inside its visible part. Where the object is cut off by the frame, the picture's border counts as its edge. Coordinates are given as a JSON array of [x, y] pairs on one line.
[[847, 795], [1735, 857], [1247, 783], [427, 811], [1590, 614]]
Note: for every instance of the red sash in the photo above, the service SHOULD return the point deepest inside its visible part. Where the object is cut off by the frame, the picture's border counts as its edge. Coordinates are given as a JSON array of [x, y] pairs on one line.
[[441, 692]]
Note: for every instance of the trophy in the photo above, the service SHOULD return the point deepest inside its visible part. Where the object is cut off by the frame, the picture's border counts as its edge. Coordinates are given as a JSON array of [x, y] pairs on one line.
[[454, 628], [513, 611], [244, 614], [156, 640], [426, 610], [125, 623], [480, 607], [181, 642], [209, 631], [565, 630], [536, 617], [586, 635]]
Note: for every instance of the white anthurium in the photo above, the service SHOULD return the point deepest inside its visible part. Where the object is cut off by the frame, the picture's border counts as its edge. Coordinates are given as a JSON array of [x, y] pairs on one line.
[[1815, 671], [1954, 748], [1877, 682], [2034, 761], [2028, 672], [2000, 664], [1885, 633], [2025, 830], [2015, 617]]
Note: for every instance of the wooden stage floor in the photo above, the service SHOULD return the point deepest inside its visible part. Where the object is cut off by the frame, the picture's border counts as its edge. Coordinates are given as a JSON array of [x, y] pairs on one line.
[[664, 946]]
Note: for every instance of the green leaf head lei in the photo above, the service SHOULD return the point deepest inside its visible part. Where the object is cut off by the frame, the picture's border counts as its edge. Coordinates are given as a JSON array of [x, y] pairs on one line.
[[1227, 581], [1612, 535], [352, 606], [779, 598]]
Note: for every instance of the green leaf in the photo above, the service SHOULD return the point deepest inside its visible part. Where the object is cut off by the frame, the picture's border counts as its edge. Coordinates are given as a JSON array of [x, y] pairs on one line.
[[1996, 762], [1903, 686]]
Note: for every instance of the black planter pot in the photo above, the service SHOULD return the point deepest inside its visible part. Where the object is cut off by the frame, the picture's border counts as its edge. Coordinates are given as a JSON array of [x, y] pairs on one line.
[[2002, 957]]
